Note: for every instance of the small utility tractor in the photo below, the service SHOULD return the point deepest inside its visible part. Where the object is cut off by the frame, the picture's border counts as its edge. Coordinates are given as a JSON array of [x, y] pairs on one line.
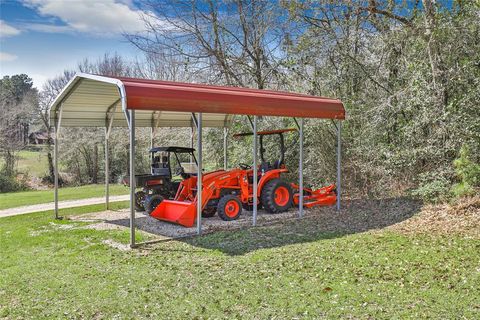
[[227, 192], [163, 181]]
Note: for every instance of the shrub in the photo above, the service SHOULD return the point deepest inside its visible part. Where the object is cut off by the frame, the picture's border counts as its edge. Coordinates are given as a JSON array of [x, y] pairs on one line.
[[468, 173], [10, 184], [433, 187]]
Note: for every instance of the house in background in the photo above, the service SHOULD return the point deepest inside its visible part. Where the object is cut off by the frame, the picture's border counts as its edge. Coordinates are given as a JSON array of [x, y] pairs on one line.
[[38, 137]]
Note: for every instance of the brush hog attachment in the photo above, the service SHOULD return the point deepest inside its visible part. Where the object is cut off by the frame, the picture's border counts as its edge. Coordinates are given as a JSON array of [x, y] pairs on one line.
[[179, 212], [325, 196]]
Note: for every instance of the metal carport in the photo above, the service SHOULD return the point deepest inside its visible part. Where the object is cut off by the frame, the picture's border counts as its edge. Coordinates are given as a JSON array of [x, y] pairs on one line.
[[99, 101]]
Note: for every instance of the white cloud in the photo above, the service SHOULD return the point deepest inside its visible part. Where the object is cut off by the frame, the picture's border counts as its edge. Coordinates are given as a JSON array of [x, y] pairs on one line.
[[46, 28], [107, 17], [5, 57], [7, 30]]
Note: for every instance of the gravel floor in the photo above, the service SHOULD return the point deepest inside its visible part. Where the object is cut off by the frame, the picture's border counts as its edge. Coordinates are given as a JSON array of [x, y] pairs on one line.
[[396, 214], [356, 216], [120, 219]]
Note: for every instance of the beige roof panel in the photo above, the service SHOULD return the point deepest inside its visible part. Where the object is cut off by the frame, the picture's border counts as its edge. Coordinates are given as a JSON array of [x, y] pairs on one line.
[[88, 99]]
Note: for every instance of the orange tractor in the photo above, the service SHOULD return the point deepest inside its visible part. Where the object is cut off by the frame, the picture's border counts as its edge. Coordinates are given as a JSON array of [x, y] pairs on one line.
[[227, 192]]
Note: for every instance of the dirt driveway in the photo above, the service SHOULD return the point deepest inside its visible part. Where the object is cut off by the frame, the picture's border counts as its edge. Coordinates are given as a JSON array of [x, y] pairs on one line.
[[61, 204]]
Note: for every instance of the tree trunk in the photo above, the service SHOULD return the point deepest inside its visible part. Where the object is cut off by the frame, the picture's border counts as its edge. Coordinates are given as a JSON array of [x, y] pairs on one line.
[[438, 73], [9, 166], [95, 164], [51, 169]]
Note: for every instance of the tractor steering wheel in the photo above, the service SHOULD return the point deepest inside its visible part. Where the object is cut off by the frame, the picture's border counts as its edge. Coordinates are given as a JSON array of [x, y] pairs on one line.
[[244, 166], [179, 171]]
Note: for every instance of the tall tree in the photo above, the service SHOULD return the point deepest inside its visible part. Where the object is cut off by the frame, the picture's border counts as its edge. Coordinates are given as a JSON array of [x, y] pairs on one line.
[[51, 89], [401, 68], [237, 42], [18, 99]]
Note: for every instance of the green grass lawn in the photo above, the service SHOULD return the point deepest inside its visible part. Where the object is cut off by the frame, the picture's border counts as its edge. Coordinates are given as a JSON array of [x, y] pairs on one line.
[[59, 269], [24, 198], [33, 162]]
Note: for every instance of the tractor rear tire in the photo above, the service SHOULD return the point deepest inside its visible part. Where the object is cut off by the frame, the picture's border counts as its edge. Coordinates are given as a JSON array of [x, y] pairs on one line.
[[229, 207], [152, 201], [139, 200], [277, 196]]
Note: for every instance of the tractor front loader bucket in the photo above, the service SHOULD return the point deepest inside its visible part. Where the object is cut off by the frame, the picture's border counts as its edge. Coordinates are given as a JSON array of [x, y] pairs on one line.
[[179, 212], [325, 196]]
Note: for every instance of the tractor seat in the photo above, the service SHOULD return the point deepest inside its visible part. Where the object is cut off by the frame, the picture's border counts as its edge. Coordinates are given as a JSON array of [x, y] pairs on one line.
[[161, 172], [155, 162], [265, 166], [277, 164]]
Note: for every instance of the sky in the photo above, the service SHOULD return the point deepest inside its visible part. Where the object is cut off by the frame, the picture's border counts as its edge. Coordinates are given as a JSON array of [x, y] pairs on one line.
[[41, 38]]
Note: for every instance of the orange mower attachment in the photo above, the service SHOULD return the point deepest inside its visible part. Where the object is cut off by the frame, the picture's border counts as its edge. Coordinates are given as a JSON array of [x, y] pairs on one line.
[[326, 196]]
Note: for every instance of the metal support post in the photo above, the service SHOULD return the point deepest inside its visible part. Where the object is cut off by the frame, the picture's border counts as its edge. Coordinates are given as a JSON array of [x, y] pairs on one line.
[[108, 128], [107, 171], [255, 173], [132, 178], [225, 137], [300, 171], [192, 133], [199, 174], [55, 171], [56, 126], [339, 157], [152, 137]]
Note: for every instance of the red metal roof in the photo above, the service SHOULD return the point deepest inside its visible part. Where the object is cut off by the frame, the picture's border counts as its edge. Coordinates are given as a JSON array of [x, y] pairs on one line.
[[156, 95]]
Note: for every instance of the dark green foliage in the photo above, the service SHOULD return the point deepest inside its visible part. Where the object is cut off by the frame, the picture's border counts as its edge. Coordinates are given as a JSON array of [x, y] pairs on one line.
[[468, 173], [14, 88], [432, 187], [9, 183], [409, 78]]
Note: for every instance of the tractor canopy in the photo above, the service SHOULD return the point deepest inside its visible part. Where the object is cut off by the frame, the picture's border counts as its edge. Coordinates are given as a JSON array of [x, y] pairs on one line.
[[173, 149], [264, 133], [280, 160]]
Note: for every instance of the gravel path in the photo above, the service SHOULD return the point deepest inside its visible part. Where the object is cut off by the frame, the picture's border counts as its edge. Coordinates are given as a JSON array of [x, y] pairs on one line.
[[61, 204]]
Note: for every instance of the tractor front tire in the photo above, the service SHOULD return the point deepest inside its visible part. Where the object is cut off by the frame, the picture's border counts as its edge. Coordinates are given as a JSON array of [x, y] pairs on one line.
[[277, 196], [152, 201], [229, 207], [139, 200]]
